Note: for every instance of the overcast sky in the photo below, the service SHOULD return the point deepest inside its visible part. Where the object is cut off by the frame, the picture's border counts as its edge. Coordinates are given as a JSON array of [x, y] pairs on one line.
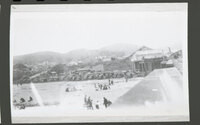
[[68, 27]]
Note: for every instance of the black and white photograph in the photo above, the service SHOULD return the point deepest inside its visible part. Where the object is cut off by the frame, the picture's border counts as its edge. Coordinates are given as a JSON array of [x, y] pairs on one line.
[[121, 62]]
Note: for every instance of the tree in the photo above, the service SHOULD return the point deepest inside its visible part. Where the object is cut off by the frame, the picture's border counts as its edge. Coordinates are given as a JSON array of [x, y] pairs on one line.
[[59, 68]]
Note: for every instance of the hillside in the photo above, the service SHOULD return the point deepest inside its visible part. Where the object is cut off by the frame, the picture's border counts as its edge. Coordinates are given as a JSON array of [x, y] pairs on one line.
[[84, 55], [125, 48], [39, 57]]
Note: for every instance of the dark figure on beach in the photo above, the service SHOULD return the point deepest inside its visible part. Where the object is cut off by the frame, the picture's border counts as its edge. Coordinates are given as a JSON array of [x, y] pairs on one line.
[[85, 99], [112, 82], [104, 87], [97, 105], [106, 102], [96, 86], [30, 99], [22, 105], [90, 106], [22, 100], [67, 90], [101, 86], [109, 102]]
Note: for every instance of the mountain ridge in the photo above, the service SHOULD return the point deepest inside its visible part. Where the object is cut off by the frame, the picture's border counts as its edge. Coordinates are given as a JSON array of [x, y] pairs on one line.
[[85, 55]]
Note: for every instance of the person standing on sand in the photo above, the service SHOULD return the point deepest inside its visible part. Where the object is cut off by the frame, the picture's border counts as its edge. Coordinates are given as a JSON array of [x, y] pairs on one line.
[[97, 105], [85, 100], [30, 99], [90, 103], [105, 102], [112, 82], [22, 105]]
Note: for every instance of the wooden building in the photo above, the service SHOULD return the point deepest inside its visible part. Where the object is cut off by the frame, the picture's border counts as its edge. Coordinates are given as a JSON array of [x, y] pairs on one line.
[[145, 61]]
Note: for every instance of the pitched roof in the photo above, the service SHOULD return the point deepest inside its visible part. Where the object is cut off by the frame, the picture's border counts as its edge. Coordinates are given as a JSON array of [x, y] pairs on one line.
[[147, 54]]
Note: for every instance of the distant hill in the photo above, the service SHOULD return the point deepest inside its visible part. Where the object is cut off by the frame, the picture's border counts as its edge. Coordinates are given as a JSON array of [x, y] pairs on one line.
[[125, 48], [86, 56], [39, 57]]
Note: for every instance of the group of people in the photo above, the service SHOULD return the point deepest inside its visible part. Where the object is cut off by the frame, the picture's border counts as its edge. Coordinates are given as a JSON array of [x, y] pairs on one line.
[[22, 101], [110, 82], [70, 89], [88, 102], [103, 86]]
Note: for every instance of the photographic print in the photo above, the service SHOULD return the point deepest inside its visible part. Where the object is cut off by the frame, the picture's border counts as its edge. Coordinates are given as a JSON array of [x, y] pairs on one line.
[[99, 63]]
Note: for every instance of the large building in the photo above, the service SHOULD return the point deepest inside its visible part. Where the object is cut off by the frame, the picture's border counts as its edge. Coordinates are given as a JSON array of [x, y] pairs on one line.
[[146, 60]]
